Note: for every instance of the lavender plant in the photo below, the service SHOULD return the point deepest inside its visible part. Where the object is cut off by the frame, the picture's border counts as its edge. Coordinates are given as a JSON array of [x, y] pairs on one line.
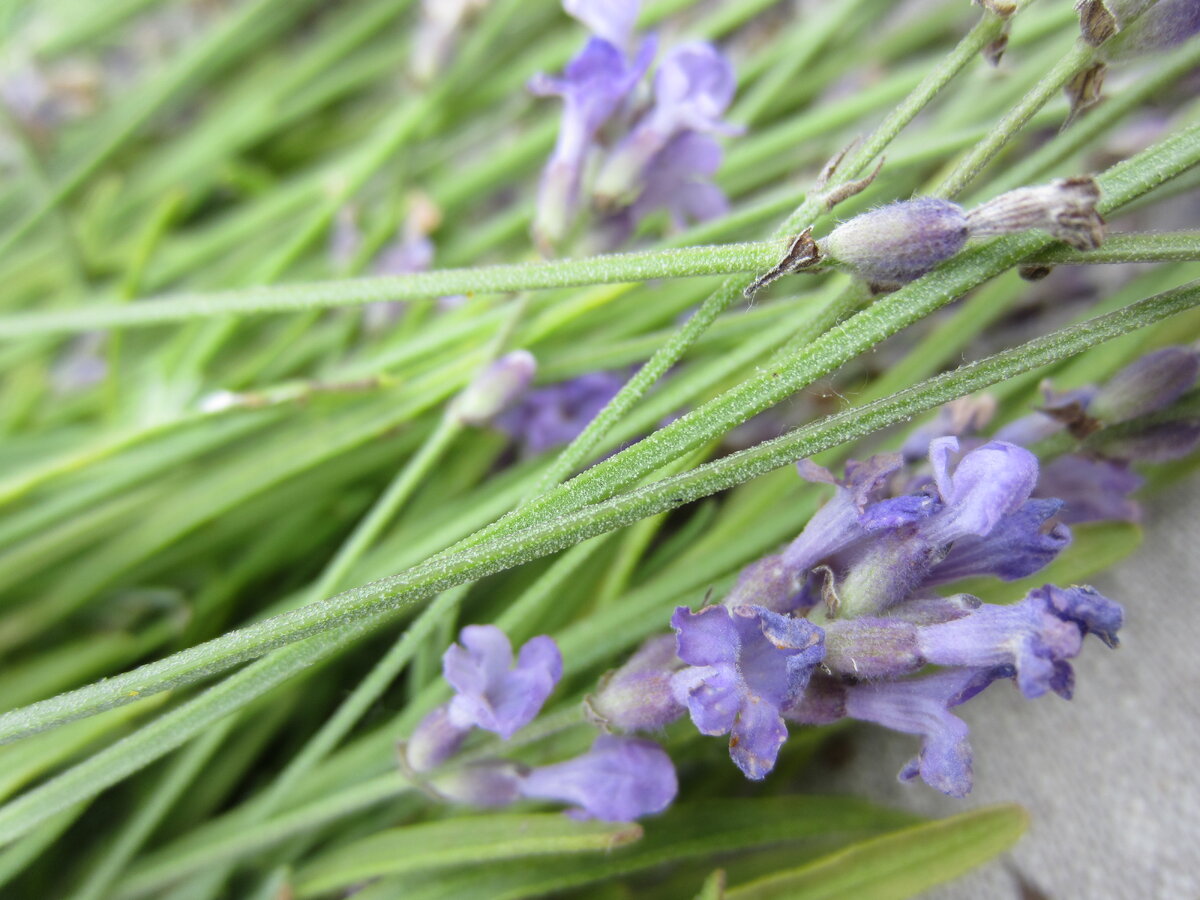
[[370, 520]]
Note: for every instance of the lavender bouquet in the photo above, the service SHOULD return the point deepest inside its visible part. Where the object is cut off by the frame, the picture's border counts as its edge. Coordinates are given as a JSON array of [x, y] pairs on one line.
[[512, 448]]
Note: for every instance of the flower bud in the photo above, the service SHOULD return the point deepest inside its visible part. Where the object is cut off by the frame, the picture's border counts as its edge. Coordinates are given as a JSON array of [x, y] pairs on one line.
[[1151, 383], [495, 389], [490, 783], [638, 695], [871, 648], [1066, 208], [434, 741], [900, 242]]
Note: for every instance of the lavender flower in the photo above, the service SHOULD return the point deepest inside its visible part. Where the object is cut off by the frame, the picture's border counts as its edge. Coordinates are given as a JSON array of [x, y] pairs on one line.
[[693, 87], [988, 484], [594, 86], [1152, 383], [491, 694], [922, 706], [611, 20], [554, 415], [436, 739], [678, 180], [744, 665], [858, 509], [1020, 544], [620, 779], [1034, 638], [1092, 490]]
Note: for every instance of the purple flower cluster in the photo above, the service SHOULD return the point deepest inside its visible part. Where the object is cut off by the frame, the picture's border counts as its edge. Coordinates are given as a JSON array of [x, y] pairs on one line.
[[619, 779], [667, 156], [840, 623]]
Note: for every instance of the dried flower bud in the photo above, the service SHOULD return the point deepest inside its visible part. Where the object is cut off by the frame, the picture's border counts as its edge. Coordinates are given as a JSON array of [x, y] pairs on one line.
[[899, 242], [495, 389], [1066, 208]]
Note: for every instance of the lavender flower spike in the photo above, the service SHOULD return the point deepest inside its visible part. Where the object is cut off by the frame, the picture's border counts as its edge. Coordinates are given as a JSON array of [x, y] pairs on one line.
[[1035, 637], [491, 693], [744, 666], [620, 779], [693, 87]]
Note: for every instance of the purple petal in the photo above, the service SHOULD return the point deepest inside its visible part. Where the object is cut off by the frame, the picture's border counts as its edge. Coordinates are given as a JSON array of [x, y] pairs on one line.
[[489, 695], [705, 638], [1019, 545], [756, 738], [712, 694], [620, 779], [988, 484]]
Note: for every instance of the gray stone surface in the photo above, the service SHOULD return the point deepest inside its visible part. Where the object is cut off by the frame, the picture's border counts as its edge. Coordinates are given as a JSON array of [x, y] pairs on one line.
[[1112, 778]]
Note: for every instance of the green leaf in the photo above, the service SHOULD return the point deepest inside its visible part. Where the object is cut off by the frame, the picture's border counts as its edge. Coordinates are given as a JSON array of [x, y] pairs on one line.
[[688, 831], [460, 841], [897, 865], [713, 887]]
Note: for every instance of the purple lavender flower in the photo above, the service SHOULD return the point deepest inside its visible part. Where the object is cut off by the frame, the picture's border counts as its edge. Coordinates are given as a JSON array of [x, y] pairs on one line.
[[489, 783], [989, 483], [595, 84], [1020, 544], [693, 87], [858, 509], [620, 779], [491, 694], [554, 415], [1035, 637], [678, 180], [922, 706], [744, 665], [961, 418], [900, 242], [638, 696]]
